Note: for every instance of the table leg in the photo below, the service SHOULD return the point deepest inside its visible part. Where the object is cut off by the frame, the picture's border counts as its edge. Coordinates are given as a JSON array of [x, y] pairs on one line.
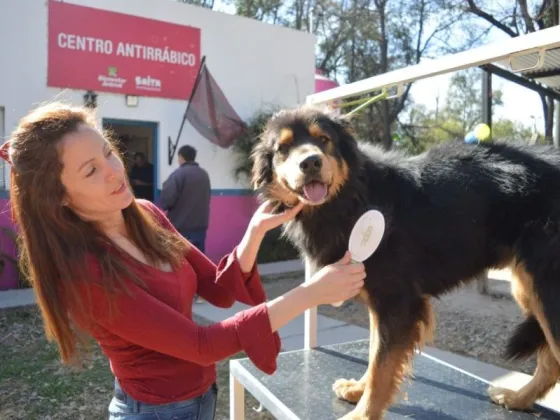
[[236, 399]]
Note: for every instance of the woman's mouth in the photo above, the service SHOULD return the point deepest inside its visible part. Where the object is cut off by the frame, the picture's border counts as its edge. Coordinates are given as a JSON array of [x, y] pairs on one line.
[[120, 189]]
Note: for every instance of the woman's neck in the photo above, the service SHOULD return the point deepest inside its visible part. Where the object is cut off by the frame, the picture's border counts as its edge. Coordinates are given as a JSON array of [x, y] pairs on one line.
[[113, 225]]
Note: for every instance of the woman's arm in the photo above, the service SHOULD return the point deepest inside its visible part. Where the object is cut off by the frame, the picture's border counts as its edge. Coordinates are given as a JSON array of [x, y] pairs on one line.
[[248, 248], [143, 320], [235, 278]]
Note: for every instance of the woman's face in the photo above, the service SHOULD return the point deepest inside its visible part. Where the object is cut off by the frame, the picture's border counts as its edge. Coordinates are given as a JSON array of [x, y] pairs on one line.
[[93, 176]]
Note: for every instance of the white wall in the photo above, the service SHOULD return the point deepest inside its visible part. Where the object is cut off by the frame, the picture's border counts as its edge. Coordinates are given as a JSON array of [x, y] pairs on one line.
[[254, 63]]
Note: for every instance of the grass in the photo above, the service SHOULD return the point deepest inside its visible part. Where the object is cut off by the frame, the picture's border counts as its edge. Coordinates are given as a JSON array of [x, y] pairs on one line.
[[34, 385]]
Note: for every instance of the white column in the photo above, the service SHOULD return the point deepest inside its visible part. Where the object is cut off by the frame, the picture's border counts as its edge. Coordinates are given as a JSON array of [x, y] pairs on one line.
[[310, 319], [236, 399]]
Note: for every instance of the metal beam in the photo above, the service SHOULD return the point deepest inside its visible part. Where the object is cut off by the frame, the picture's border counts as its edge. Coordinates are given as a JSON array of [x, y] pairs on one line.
[[539, 41], [543, 74], [487, 99], [529, 84]]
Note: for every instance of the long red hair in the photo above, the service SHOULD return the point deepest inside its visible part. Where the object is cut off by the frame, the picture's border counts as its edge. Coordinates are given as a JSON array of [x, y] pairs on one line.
[[54, 242]]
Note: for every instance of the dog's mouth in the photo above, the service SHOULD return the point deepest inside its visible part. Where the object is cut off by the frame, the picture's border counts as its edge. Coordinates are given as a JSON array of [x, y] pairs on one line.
[[314, 192]]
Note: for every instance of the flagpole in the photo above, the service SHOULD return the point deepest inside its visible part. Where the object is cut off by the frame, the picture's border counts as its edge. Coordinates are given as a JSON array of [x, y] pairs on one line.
[[173, 147]]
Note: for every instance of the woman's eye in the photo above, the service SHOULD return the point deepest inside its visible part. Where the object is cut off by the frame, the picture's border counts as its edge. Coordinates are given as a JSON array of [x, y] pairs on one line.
[[90, 173]]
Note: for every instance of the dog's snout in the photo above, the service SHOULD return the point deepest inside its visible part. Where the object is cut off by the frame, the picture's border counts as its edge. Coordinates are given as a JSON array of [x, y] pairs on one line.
[[311, 164]]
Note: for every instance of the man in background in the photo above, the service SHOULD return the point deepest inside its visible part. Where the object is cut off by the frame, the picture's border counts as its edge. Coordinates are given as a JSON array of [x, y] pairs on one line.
[[186, 197], [142, 177]]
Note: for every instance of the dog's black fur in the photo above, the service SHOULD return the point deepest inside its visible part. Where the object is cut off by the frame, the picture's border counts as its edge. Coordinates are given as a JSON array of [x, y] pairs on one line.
[[450, 213]]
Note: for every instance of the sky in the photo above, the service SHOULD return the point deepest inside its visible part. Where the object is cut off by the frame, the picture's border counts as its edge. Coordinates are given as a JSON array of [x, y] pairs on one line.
[[520, 104]]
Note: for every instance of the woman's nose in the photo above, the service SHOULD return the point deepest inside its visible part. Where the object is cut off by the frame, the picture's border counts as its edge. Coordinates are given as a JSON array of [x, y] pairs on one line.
[[113, 170]]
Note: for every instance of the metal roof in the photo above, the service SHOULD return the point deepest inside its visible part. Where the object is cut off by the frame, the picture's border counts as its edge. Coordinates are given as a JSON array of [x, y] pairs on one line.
[[542, 67], [535, 56]]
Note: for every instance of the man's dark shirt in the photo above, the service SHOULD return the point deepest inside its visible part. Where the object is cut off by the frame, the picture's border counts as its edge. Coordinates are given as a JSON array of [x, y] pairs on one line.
[[186, 196]]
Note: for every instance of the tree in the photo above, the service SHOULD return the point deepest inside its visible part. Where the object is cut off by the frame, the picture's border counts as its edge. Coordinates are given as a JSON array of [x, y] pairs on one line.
[[420, 128], [400, 39], [358, 39], [209, 4], [464, 103]]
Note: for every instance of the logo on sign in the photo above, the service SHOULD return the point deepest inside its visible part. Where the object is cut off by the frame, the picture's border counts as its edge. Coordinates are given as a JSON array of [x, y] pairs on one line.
[[111, 79], [148, 83]]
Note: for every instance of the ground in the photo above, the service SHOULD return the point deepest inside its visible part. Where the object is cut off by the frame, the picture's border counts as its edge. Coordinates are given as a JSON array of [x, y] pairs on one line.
[[34, 385]]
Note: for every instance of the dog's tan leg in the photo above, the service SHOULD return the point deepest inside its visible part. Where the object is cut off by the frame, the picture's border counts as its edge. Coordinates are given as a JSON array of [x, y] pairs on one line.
[[389, 362], [548, 358], [352, 389], [544, 379]]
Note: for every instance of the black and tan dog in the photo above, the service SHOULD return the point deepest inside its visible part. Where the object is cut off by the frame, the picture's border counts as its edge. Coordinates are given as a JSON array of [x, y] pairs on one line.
[[450, 214]]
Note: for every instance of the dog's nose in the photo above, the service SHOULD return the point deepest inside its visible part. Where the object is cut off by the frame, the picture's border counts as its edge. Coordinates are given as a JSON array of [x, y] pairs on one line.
[[311, 164]]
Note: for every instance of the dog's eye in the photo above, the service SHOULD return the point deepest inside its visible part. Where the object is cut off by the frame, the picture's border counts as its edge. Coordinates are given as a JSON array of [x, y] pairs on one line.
[[324, 139]]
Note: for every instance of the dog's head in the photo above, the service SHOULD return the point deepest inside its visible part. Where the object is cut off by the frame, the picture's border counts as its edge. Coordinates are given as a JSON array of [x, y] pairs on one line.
[[304, 154]]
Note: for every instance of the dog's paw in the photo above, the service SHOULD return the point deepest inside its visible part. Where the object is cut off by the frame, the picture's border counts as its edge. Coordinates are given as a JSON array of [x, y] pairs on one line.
[[352, 416], [349, 389], [358, 414], [509, 399]]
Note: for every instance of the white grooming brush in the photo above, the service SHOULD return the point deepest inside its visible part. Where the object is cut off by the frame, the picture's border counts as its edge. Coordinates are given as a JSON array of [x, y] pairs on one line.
[[365, 237]]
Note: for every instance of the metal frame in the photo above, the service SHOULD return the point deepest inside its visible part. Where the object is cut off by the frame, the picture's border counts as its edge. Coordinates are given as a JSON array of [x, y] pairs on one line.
[[520, 80], [242, 380], [539, 41], [502, 51]]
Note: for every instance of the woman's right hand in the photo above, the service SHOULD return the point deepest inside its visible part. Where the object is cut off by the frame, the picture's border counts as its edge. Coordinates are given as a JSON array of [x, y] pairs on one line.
[[336, 282]]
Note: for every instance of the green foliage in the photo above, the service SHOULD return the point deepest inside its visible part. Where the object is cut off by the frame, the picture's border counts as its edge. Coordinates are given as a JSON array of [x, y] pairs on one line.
[[461, 112], [243, 145], [506, 129]]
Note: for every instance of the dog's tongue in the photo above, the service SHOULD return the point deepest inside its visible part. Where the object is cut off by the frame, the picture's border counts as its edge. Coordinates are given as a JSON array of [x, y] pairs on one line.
[[315, 191]]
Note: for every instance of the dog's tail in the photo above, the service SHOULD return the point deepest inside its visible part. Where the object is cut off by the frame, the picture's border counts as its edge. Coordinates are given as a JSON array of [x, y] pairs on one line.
[[527, 338]]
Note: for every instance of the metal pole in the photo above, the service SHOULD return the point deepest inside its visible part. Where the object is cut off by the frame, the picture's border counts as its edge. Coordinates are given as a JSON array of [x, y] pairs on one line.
[[310, 319], [556, 137], [487, 99]]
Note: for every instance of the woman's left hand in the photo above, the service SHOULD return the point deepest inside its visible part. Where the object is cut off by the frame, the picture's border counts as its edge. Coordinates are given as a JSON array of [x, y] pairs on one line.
[[264, 219]]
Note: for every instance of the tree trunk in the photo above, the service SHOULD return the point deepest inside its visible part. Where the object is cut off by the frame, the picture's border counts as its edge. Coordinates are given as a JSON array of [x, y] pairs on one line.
[[386, 139]]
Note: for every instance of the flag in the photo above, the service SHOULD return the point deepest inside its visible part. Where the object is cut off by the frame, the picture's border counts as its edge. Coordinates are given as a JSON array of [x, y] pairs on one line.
[[210, 113]]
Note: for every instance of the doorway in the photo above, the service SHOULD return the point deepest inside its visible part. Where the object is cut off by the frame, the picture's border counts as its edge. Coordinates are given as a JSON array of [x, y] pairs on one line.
[[138, 143]]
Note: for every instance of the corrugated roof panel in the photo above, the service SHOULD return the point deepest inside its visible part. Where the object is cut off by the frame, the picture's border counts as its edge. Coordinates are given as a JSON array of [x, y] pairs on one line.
[[551, 63]]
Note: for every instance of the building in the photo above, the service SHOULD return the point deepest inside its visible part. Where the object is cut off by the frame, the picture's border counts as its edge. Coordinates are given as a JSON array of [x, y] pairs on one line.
[[138, 59]]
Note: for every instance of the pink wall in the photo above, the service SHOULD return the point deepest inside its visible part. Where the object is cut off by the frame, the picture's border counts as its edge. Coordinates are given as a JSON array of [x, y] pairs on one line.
[[8, 278], [229, 217]]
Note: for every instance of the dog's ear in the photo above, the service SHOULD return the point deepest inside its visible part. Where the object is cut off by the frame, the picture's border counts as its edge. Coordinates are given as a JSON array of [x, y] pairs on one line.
[[348, 143], [345, 124], [261, 173]]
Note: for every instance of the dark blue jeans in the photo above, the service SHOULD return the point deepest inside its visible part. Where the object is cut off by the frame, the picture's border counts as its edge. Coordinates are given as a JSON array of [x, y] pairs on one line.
[[196, 237], [124, 407]]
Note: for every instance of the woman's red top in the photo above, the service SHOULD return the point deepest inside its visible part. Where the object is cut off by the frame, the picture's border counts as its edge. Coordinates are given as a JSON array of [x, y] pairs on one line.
[[156, 351]]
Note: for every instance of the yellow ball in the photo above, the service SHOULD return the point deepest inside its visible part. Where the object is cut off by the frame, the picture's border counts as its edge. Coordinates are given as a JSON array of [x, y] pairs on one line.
[[482, 132]]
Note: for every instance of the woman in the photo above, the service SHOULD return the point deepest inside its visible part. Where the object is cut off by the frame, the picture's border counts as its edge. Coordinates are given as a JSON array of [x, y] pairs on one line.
[[110, 266]]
